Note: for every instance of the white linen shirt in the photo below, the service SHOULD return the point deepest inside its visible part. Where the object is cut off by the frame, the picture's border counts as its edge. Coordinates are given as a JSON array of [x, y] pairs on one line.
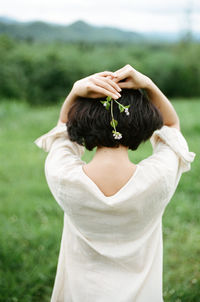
[[111, 248]]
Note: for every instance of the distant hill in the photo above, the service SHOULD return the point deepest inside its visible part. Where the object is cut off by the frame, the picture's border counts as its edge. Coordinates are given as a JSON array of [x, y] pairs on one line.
[[78, 31]]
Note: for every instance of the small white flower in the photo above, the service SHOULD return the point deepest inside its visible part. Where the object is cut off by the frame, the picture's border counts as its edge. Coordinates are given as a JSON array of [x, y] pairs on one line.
[[104, 104], [126, 111], [117, 135]]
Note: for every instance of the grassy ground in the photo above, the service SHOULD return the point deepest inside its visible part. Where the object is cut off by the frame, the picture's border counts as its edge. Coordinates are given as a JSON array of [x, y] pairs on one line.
[[31, 221]]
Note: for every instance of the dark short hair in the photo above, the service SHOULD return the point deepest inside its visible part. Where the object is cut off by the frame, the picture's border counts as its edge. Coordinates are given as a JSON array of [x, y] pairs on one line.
[[89, 122]]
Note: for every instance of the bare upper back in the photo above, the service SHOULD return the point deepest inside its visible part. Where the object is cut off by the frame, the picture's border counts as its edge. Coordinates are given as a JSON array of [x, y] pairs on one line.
[[109, 178]]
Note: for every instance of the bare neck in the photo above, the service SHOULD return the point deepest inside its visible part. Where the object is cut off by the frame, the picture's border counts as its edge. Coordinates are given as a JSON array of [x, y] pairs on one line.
[[112, 155]]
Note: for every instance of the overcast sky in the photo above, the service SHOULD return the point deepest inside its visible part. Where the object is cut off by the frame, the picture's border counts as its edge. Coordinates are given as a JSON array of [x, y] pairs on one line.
[[137, 15]]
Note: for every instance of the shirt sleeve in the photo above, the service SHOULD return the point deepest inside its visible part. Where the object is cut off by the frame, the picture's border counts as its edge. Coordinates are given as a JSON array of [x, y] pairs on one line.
[[171, 157], [170, 141], [62, 162], [63, 154]]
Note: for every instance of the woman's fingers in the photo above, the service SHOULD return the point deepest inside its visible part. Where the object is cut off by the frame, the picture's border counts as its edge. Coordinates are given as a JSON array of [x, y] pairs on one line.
[[112, 83], [127, 68], [108, 85], [124, 73], [125, 85], [100, 91], [122, 69], [105, 73]]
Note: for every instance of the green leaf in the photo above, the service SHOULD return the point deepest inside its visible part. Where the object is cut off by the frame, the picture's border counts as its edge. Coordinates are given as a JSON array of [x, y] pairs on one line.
[[107, 105], [114, 123], [127, 106], [121, 108], [108, 98]]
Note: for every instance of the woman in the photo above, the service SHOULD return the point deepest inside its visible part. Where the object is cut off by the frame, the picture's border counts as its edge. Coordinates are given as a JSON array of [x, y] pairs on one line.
[[111, 248]]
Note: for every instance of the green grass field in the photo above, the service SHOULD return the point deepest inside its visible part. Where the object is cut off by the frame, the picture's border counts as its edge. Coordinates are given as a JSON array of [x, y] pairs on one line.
[[31, 221]]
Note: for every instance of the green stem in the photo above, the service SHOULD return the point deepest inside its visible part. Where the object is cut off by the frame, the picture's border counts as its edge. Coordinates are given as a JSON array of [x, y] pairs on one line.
[[112, 114], [119, 103]]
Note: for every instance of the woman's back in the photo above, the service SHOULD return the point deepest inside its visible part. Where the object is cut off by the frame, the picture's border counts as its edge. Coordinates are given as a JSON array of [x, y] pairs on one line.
[[110, 169]]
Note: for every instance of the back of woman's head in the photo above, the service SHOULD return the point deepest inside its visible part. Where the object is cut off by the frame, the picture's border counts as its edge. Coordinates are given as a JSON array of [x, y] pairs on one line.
[[89, 122]]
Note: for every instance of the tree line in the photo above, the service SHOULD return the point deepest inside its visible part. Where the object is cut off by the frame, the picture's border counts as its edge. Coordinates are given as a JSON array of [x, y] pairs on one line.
[[43, 73]]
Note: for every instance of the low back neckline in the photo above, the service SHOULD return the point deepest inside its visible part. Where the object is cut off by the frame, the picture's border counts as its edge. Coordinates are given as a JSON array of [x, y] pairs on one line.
[[99, 191]]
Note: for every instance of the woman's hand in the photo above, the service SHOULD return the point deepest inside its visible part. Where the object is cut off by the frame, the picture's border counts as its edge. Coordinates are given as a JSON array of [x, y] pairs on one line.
[[97, 86], [128, 77]]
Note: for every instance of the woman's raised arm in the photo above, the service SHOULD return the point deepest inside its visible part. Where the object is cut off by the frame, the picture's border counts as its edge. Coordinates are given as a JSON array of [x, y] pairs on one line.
[[128, 77], [95, 86]]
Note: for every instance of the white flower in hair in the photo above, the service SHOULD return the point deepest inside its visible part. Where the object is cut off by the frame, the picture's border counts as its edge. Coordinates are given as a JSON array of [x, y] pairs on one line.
[[126, 111], [109, 104], [117, 135]]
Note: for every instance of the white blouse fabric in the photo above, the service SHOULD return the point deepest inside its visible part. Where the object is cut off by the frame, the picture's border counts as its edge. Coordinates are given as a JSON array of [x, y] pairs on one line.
[[111, 248]]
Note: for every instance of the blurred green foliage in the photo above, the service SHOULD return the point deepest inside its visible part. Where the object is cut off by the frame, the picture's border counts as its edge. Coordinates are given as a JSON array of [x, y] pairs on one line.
[[43, 73]]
